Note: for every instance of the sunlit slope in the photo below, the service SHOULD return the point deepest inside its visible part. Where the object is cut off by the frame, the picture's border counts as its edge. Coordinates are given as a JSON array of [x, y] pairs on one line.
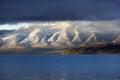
[[62, 34]]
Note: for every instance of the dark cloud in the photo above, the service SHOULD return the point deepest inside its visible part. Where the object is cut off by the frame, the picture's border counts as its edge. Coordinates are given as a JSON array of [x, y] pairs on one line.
[[18, 10]]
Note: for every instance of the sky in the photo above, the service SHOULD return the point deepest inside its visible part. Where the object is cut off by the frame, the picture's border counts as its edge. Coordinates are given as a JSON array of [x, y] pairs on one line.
[[55, 10]]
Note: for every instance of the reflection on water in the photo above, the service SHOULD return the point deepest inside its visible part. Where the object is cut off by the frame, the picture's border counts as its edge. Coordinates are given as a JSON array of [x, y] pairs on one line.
[[61, 76], [59, 67]]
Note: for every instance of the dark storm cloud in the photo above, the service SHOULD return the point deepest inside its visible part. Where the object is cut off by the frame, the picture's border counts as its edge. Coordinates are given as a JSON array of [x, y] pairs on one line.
[[18, 10]]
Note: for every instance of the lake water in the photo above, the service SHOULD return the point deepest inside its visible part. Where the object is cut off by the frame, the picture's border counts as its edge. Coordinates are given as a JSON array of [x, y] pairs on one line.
[[59, 67]]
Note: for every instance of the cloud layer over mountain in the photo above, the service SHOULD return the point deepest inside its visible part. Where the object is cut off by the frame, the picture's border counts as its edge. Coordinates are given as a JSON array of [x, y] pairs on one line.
[[62, 34]]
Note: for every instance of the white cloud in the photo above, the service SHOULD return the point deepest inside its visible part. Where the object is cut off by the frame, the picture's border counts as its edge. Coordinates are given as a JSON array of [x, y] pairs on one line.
[[86, 26]]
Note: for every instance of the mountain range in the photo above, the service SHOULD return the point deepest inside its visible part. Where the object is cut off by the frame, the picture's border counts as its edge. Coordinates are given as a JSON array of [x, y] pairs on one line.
[[61, 34]]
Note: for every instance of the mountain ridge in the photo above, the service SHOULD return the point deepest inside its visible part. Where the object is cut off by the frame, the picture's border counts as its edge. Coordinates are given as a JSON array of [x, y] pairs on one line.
[[59, 34]]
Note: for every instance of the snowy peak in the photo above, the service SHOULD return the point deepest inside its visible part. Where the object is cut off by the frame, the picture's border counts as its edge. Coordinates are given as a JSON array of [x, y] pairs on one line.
[[77, 36], [33, 36], [92, 39], [117, 39], [63, 33]]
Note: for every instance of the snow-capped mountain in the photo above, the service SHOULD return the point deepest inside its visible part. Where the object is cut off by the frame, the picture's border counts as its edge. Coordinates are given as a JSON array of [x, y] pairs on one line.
[[62, 34]]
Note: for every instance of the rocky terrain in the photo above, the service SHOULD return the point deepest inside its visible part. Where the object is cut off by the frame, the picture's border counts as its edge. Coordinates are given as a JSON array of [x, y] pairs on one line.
[[87, 36], [104, 48]]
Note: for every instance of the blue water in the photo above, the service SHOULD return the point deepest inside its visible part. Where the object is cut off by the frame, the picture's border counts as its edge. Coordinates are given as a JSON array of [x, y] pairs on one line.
[[59, 67]]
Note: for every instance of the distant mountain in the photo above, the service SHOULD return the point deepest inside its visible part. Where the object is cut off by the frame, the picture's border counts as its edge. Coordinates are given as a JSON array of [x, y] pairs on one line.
[[59, 34]]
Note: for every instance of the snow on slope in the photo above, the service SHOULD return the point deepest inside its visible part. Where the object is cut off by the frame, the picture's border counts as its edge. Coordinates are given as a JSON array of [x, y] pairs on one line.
[[77, 36], [33, 37], [62, 33], [91, 39], [117, 39]]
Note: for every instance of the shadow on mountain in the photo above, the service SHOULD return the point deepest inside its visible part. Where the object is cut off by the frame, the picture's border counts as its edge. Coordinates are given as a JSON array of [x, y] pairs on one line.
[[104, 48]]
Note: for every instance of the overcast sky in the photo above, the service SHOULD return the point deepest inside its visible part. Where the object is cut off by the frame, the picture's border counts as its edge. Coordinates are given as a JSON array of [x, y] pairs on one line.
[[36, 10]]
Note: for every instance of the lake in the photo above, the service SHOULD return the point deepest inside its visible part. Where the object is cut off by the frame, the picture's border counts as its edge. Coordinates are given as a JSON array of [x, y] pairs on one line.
[[59, 67]]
